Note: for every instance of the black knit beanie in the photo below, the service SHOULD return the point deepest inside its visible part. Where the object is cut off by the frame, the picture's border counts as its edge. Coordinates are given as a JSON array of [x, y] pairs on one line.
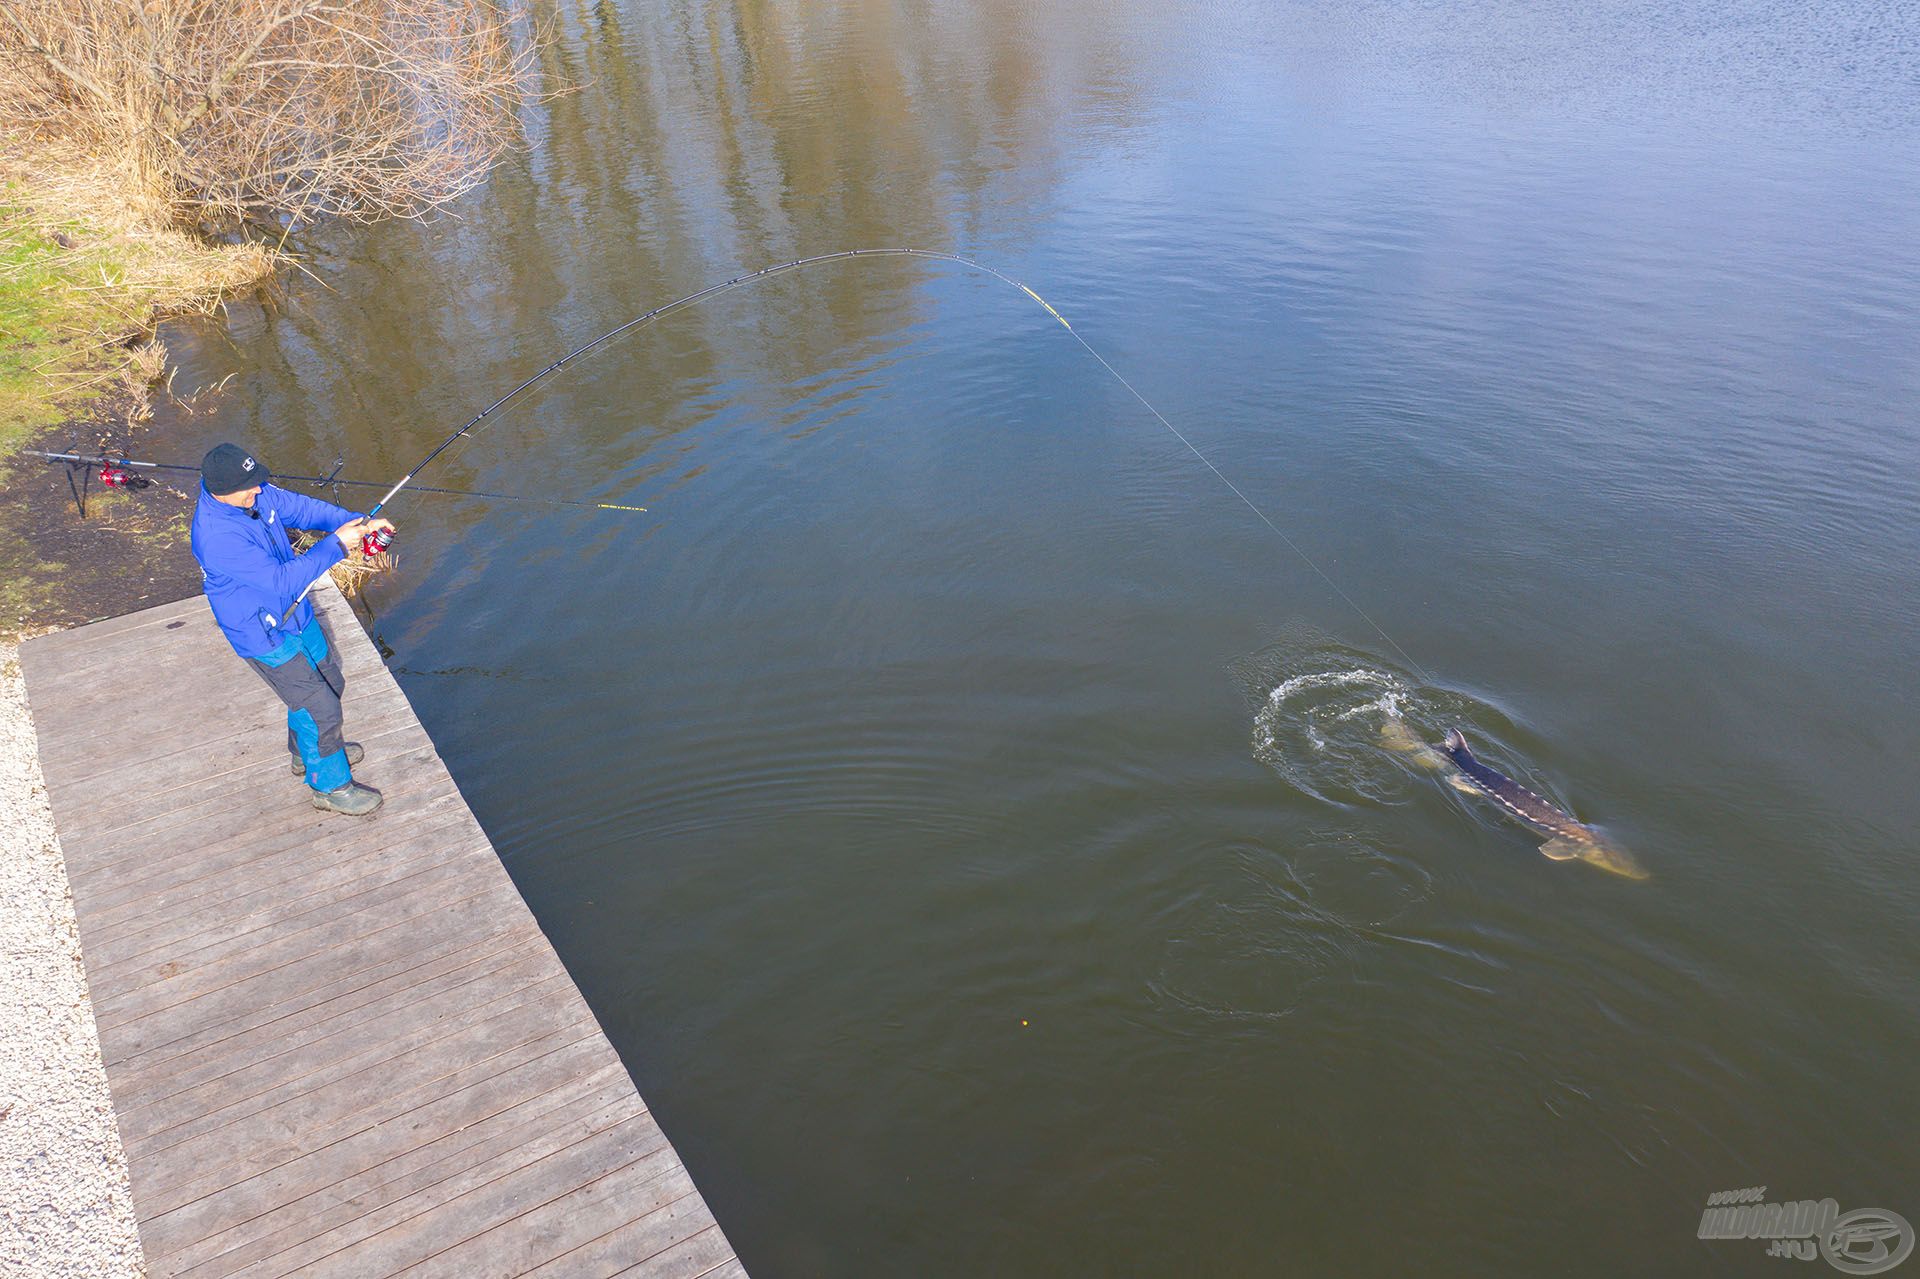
[[228, 468]]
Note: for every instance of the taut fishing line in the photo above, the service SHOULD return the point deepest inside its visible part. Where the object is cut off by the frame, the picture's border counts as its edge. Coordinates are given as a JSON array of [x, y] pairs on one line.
[[115, 470], [714, 290]]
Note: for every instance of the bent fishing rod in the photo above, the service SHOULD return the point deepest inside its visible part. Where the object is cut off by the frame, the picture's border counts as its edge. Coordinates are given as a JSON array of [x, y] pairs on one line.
[[713, 290], [692, 299]]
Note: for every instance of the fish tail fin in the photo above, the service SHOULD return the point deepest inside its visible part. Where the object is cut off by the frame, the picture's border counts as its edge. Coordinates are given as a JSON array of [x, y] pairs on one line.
[[1456, 740]]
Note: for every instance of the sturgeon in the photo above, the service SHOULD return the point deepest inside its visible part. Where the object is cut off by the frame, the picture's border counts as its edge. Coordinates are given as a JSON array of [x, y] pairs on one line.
[[1567, 839]]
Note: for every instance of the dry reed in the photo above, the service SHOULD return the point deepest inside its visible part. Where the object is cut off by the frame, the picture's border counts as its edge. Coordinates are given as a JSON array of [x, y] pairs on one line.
[[224, 111], [353, 572]]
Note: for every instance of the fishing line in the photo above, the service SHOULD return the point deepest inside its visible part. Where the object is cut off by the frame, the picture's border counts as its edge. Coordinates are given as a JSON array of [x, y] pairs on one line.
[[714, 290], [1293, 546]]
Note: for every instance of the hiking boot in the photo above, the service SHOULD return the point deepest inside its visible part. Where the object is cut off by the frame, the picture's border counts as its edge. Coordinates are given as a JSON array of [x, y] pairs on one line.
[[354, 756], [353, 799]]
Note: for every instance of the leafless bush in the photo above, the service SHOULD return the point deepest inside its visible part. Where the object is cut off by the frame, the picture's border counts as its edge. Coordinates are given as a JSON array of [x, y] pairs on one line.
[[221, 110]]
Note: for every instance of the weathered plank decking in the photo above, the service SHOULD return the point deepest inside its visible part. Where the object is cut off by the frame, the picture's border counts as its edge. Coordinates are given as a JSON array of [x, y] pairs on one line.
[[336, 1046]]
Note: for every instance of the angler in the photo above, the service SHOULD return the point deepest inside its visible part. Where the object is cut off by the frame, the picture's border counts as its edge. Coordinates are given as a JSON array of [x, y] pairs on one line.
[[258, 588]]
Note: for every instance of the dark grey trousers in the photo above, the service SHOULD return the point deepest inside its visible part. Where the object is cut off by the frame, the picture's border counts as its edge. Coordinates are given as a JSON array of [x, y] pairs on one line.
[[312, 693]]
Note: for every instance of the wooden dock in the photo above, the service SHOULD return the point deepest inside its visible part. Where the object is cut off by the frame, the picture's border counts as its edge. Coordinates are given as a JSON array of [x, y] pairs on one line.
[[336, 1046]]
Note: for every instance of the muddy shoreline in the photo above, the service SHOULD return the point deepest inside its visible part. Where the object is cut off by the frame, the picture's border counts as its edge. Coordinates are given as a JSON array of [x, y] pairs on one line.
[[59, 568]]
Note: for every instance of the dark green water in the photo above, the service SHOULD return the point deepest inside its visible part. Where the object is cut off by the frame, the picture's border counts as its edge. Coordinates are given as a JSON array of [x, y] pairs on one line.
[[965, 816]]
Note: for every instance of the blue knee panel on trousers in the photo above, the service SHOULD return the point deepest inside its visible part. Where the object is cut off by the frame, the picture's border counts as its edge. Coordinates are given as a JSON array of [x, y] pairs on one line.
[[324, 772]]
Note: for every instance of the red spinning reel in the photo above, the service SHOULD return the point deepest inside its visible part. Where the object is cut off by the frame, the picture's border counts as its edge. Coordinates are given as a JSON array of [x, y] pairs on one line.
[[115, 476]]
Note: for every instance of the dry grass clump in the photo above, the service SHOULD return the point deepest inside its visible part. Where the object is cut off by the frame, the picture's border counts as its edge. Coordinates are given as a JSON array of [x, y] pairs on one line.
[[214, 112], [353, 572], [83, 281], [83, 207], [145, 362]]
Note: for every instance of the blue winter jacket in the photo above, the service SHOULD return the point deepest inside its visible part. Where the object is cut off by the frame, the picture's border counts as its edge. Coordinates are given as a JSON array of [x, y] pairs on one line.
[[253, 576]]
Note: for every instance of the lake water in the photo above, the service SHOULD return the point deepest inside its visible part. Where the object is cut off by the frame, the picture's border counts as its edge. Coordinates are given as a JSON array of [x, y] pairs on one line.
[[966, 816]]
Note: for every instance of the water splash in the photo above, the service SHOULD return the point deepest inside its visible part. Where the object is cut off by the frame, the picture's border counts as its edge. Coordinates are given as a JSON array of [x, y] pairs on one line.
[[1318, 710], [1316, 724]]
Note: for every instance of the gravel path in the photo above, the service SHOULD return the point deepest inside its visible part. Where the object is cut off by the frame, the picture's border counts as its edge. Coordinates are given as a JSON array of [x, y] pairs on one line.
[[65, 1209]]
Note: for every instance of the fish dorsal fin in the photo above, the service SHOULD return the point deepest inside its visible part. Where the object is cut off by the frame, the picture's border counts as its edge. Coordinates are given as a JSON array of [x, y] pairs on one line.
[[1456, 740], [1560, 850]]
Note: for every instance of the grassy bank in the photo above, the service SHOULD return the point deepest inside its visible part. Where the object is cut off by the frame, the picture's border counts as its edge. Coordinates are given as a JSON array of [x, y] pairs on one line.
[[83, 281]]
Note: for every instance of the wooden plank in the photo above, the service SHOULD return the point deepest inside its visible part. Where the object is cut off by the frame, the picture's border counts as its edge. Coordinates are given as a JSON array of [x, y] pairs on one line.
[[223, 1183], [414, 1242], [408, 1204], [335, 1046], [471, 921], [174, 759], [234, 1072], [653, 1186], [440, 828], [181, 756], [278, 887], [393, 923], [222, 808], [424, 862], [196, 1085], [105, 650], [65, 644], [267, 1020], [231, 908], [111, 678], [197, 652], [296, 913], [325, 1082], [221, 805], [550, 1102], [212, 1054], [285, 858], [694, 1257], [658, 1239], [114, 703], [103, 675]]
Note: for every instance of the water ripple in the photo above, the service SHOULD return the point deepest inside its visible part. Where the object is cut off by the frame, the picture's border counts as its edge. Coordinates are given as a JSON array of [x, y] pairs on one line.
[[1292, 922]]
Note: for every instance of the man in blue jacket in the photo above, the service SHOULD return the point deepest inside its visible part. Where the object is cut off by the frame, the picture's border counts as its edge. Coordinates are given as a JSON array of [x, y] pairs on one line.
[[258, 589]]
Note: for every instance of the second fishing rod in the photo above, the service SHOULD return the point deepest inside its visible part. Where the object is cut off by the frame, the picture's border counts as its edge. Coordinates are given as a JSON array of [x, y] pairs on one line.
[[117, 470]]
